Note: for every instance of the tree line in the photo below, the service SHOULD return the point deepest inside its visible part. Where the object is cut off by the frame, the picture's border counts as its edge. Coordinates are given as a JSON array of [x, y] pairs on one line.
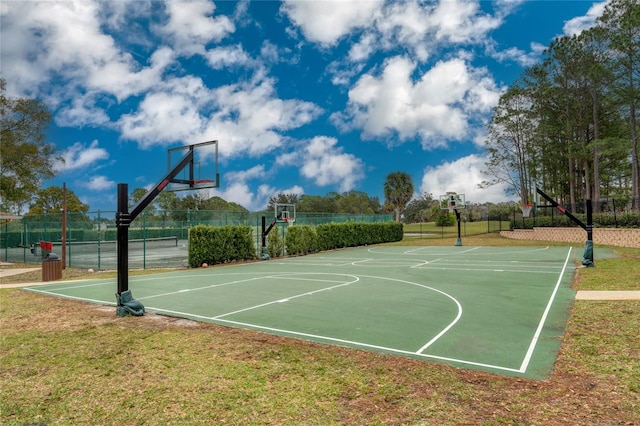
[[569, 124]]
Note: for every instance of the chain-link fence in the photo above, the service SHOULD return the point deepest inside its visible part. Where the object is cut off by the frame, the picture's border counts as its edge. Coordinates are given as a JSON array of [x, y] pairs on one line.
[[156, 239], [607, 213]]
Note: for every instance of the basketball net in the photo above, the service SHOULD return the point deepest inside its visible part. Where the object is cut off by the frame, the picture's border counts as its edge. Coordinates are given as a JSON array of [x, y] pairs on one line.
[[526, 209]]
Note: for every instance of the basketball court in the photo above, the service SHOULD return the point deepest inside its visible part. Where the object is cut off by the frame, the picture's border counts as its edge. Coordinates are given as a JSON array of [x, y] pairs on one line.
[[496, 309]]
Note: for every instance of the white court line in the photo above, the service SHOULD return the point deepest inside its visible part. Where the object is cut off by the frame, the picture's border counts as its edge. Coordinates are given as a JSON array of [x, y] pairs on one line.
[[111, 282], [490, 269], [367, 345], [261, 277], [286, 299], [536, 336], [333, 339], [65, 296]]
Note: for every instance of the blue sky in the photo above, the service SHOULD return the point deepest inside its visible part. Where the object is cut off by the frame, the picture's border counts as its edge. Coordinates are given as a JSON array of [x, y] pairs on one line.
[[303, 96]]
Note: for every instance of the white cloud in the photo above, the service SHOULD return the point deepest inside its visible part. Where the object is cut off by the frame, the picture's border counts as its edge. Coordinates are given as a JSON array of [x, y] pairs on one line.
[[65, 39], [167, 115], [79, 156], [326, 164], [99, 183], [462, 176], [191, 25], [578, 24], [326, 22], [227, 56], [81, 111], [436, 108], [417, 26], [523, 58], [248, 116], [238, 190]]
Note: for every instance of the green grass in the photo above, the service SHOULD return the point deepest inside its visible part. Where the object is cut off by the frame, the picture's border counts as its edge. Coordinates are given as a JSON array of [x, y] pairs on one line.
[[66, 362]]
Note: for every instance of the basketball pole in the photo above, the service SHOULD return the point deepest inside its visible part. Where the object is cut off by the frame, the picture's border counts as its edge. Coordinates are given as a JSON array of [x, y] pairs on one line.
[[587, 258], [459, 240], [126, 304]]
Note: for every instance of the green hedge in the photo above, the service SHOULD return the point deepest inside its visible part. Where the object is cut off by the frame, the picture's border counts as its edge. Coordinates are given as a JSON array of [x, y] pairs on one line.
[[301, 239], [275, 243], [338, 235], [215, 245]]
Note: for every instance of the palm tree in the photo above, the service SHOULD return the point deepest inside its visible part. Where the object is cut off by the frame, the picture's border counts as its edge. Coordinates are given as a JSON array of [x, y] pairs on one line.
[[398, 191]]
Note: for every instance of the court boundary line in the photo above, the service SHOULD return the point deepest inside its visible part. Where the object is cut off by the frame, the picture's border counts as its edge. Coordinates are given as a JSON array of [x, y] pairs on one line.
[[522, 369], [543, 319]]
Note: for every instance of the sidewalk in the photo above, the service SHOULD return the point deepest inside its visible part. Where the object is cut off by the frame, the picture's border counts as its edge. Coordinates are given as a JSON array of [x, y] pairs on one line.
[[608, 295]]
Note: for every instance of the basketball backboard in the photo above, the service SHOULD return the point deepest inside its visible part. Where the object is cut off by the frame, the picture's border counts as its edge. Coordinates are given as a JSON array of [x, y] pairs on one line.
[[285, 213], [200, 172], [452, 201]]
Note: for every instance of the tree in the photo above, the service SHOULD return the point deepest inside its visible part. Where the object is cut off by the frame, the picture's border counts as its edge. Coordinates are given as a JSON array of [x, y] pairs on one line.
[[49, 201], [419, 209], [167, 200], [510, 143], [621, 21], [136, 195], [282, 198], [26, 159], [355, 202], [398, 190]]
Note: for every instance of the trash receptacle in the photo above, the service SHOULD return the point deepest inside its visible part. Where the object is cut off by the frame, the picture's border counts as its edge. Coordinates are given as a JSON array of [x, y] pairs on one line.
[[51, 267]]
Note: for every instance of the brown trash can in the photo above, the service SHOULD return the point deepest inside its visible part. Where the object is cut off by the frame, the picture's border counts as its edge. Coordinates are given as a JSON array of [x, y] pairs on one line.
[[51, 267]]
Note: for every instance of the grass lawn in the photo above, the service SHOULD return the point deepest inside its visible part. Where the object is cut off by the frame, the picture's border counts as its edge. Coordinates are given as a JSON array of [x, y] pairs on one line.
[[66, 362]]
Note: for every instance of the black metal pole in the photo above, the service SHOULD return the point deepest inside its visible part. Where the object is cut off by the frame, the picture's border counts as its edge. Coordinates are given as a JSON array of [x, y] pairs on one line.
[[459, 241], [589, 220], [123, 220]]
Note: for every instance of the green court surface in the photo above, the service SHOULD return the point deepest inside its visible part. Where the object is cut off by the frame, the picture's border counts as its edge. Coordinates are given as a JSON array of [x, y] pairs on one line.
[[497, 309]]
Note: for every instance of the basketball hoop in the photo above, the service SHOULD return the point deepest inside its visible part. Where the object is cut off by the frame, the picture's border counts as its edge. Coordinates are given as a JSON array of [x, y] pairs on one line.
[[451, 208], [526, 209]]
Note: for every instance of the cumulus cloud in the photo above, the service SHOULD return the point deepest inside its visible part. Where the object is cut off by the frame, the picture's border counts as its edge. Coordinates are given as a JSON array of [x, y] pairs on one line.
[[580, 23], [191, 25], [417, 26], [239, 190], [326, 22], [79, 156], [421, 27], [521, 57], [325, 163], [462, 176], [99, 183], [248, 116], [436, 108], [65, 39]]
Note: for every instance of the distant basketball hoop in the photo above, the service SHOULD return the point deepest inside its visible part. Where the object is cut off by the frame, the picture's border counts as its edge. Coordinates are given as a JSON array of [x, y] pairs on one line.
[[526, 209]]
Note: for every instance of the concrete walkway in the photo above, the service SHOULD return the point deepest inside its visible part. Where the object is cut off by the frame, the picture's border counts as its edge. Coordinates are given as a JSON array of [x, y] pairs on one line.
[[7, 272], [607, 295]]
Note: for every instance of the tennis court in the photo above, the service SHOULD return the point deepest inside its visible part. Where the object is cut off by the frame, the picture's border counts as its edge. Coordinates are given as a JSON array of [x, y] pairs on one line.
[[496, 309]]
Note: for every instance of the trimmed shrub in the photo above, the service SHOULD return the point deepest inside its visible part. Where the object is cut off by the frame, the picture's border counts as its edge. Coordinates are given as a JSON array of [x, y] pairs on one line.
[[220, 244], [275, 243], [301, 239], [352, 234]]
